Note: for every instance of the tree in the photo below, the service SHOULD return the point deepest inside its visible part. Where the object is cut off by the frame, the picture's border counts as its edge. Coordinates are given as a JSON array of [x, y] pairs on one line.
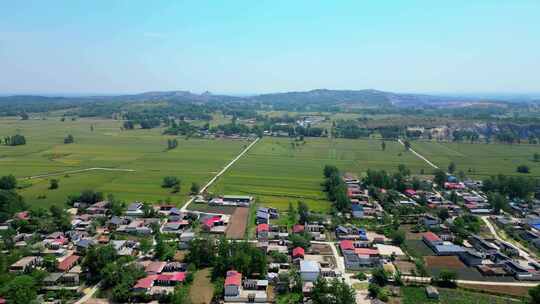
[[446, 278], [439, 178], [69, 139], [443, 214], [180, 295], [53, 184], [498, 202], [379, 276], [292, 215], [195, 188], [407, 145], [534, 293], [303, 212], [170, 182], [398, 237], [88, 197], [523, 169], [330, 170], [536, 157], [21, 290], [145, 245], [15, 140], [336, 292], [403, 170], [60, 218], [451, 167], [300, 240], [50, 263], [95, 260], [383, 145], [8, 182], [10, 203]]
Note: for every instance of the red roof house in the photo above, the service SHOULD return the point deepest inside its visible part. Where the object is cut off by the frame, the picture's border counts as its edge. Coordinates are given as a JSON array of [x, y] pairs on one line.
[[233, 278], [431, 237], [210, 222], [146, 282], [410, 192], [68, 263], [346, 245], [298, 252], [366, 251], [23, 215], [298, 228], [263, 228], [171, 278]]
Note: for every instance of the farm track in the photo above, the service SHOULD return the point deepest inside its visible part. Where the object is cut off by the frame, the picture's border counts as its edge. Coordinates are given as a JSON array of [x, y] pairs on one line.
[[77, 171], [220, 173], [420, 156]]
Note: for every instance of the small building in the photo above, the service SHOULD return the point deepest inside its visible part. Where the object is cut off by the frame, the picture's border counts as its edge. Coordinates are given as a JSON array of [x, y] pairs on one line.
[[135, 209], [233, 281], [430, 221], [432, 292], [262, 217], [25, 264], [357, 211], [431, 239], [67, 263], [154, 267], [298, 253], [262, 231], [309, 271], [471, 258]]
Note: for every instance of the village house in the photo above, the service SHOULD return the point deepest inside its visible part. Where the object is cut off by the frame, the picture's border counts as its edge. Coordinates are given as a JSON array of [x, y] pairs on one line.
[[356, 258], [25, 264], [232, 200], [67, 263], [135, 209], [309, 271]]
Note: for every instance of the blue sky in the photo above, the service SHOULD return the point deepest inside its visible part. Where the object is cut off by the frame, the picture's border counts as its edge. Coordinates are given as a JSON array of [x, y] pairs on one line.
[[259, 46]]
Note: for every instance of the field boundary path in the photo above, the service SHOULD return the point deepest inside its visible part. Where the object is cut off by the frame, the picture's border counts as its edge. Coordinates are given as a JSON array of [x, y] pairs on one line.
[[220, 173], [427, 280], [88, 294], [77, 171], [420, 156]]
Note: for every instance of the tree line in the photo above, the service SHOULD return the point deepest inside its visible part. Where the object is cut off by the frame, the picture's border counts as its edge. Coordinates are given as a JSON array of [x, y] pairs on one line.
[[335, 188]]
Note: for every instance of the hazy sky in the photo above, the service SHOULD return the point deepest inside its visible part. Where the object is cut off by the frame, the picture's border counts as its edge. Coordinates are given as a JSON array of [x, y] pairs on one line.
[[255, 46]]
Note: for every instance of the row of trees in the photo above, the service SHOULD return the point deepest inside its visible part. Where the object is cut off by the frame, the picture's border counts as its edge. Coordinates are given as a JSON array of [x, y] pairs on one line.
[[382, 179], [15, 140], [511, 186], [225, 255]]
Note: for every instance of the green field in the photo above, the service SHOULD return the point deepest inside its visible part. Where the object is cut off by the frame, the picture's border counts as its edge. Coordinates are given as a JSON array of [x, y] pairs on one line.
[[144, 151], [417, 295], [276, 173], [482, 159]]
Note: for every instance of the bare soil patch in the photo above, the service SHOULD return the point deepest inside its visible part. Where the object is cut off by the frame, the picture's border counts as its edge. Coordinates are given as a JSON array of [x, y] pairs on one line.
[[238, 223], [448, 262], [506, 290], [201, 290]]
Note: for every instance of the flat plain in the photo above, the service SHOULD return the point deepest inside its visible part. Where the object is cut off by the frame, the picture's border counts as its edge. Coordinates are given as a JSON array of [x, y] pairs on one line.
[[482, 159], [276, 172], [107, 146]]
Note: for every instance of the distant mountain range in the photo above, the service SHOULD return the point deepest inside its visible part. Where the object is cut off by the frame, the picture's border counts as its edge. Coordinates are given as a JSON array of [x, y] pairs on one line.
[[347, 98]]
